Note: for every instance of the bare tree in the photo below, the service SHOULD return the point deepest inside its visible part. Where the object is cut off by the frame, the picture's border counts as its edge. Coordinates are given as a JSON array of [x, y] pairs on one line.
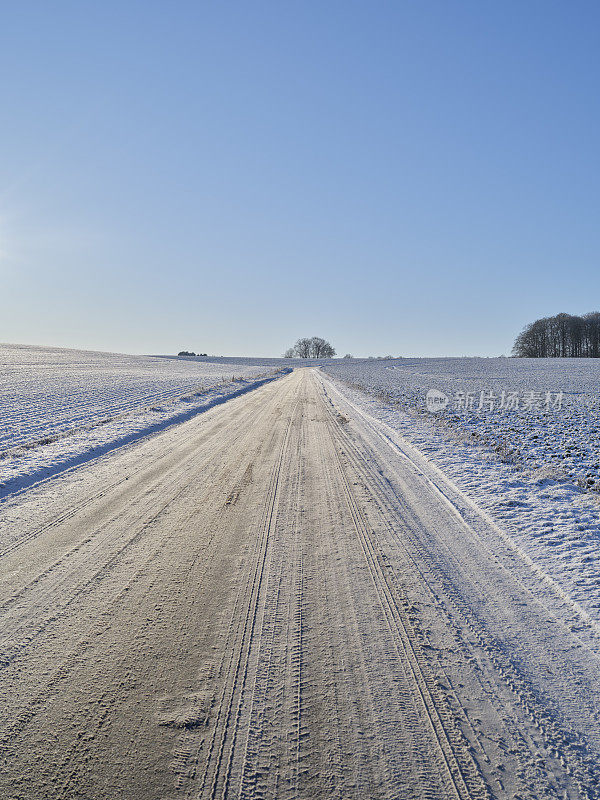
[[326, 350], [319, 348], [592, 333], [303, 348], [311, 348]]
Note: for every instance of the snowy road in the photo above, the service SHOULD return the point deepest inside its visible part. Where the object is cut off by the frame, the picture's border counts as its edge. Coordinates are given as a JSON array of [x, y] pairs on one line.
[[277, 600]]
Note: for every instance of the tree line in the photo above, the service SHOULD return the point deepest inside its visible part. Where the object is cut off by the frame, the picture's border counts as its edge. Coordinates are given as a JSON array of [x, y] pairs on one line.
[[562, 336]]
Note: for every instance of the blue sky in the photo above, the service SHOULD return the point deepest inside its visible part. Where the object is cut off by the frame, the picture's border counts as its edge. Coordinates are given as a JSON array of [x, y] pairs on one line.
[[415, 178]]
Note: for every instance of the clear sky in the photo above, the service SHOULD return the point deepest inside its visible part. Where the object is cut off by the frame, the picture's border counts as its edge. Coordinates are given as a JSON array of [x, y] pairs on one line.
[[415, 178]]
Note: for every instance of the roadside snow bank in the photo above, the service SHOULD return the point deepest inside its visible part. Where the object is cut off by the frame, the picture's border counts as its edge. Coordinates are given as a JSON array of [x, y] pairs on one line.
[[23, 466]]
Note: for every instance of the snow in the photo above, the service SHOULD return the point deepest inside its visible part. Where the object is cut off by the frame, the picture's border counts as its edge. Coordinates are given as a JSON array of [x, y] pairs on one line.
[[563, 442], [533, 471], [58, 407]]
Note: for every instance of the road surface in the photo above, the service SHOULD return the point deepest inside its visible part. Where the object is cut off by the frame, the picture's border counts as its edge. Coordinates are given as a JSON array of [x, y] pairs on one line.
[[275, 600]]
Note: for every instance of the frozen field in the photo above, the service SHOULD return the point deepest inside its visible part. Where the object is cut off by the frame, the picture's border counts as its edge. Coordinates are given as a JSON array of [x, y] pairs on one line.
[[57, 404], [48, 391], [554, 421], [534, 470]]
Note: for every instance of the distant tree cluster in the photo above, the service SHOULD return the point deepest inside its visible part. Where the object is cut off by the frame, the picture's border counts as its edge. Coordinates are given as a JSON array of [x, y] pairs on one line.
[[310, 348], [189, 353], [562, 336]]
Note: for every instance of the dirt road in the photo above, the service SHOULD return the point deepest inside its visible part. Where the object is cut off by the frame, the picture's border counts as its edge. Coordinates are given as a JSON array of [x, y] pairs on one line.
[[275, 600]]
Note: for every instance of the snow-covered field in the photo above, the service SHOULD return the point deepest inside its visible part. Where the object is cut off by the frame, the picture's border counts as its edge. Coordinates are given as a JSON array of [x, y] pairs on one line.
[[553, 423], [534, 469], [58, 405]]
